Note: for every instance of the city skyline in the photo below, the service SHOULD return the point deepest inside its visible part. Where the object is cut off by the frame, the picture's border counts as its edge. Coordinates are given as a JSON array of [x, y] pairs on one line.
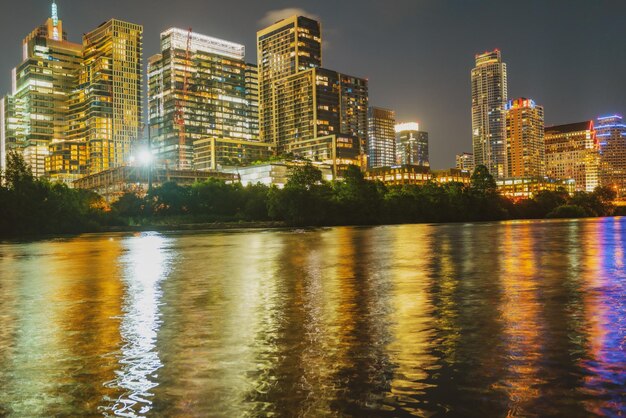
[[574, 84]]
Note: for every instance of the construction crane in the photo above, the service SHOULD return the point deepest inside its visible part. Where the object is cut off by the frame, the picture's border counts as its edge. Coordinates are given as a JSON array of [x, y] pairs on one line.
[[179, 117]]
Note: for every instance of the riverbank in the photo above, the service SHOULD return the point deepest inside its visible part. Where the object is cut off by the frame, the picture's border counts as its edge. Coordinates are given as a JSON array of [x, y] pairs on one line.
[[200, 226]]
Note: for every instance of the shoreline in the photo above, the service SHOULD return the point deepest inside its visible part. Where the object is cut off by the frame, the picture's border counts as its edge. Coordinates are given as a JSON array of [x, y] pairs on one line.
[[232, 226]]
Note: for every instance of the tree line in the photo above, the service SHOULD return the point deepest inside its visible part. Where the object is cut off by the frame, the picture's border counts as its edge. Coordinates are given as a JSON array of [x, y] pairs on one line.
[[33, 206]]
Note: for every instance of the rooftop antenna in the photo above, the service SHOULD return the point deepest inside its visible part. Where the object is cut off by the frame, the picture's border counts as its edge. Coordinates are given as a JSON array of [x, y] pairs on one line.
[[55, 21]]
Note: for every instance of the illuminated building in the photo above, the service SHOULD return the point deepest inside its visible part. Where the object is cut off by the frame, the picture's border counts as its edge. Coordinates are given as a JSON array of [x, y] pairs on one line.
[[316, 103], [416, 175], [411, 145], [36, 112], [611, 135], [572, 153], [67, 161], [252, 97], [212, 153], [399, 175], [527, 187], [452, 175], [114, 182], [301, 105], [106, 107], [284, 49], [381, 137], [524, 139], [465, 161], [275, 173], [199, 87], [489, 97]]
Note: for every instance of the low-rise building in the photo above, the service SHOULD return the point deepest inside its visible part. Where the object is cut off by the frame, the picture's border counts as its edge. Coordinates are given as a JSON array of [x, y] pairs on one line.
[[527, 187]]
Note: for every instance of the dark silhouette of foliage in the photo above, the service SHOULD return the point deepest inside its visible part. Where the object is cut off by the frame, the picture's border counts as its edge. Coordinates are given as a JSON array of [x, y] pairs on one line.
[[31, 206]]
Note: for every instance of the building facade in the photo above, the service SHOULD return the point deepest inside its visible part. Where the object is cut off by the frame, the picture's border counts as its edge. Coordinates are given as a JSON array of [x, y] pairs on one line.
[[198, 87], [36, 112], [381, 137], [489, 97], [611, 134], [525, 145], [411, 145], [302, 104], [572, 153], [106, 106], [465, 162], [284, 49]]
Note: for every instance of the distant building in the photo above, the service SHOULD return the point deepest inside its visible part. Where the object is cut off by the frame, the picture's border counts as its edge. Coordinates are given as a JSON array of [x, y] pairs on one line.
[[199, 87], [416, 174], [528, 187], [572, 152], [399, 175], [37, 111], [465, 161], [524, 139], [381, 137], [411, 145], [273, 174], [489, 97], [611, 135]]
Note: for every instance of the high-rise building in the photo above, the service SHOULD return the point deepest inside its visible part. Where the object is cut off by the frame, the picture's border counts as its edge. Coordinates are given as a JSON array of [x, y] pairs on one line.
[[199, 87], [106, 107], [572, 152], [252, 97], [524, 139], [489, 97], [381, 137], [611, 134], [319, 102], [36, 112], [284, 49], [465, 161], [300, 102], [411, 145]]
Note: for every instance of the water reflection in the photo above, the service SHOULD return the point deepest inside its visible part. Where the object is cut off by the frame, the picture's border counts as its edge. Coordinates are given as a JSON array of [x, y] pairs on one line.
[[514, 318], [144, 263]]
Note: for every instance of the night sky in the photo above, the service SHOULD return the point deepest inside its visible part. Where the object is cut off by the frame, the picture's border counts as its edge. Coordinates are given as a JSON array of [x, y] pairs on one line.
[[568, 55]]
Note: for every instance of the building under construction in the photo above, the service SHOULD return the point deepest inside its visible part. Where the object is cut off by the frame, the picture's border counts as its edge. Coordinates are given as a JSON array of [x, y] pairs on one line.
[[198, 87]]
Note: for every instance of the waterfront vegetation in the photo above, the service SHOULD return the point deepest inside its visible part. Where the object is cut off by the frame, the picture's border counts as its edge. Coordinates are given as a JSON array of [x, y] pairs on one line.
[[33, 206]]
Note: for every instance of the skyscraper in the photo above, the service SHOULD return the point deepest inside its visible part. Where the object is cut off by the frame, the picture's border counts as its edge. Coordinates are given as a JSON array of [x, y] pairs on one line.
[[381, 137], [37, 110], [198, 87], [489, 97], [411, 145], [304, 109], [611, 134], [106, 107], [524, 139], [572, 152], [284, 49]]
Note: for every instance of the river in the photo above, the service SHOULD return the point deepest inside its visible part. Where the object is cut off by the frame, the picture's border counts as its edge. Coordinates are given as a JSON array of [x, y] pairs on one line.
[[520, 318]]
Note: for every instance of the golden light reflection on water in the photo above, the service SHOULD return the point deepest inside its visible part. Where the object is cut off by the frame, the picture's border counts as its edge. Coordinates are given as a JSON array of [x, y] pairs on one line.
[[493, 319]]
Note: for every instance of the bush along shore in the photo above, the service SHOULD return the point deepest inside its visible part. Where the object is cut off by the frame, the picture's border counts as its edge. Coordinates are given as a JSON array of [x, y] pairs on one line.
[[30, 206]]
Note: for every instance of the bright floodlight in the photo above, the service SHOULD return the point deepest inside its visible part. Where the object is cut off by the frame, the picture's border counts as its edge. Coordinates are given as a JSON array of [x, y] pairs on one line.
[[145, 157]]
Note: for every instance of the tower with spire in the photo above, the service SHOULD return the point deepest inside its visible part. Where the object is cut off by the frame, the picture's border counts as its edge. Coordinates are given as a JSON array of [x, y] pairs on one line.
[[38, 106]]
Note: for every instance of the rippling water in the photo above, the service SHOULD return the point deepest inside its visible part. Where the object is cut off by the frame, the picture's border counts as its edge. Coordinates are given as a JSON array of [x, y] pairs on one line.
[[490, 319]]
